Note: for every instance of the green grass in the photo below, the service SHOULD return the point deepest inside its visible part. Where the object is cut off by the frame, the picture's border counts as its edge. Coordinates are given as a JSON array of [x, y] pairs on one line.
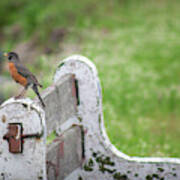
[[135, 46]]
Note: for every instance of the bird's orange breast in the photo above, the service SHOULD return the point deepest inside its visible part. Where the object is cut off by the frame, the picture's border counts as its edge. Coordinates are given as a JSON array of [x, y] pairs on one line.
[[16, 76]]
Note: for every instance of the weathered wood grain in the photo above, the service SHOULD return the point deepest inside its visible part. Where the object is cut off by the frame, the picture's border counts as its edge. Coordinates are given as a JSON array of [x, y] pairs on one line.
[[64, 155], [60, 103]]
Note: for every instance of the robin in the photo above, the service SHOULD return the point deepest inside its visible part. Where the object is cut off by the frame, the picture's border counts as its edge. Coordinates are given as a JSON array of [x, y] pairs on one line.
[[22, 75]]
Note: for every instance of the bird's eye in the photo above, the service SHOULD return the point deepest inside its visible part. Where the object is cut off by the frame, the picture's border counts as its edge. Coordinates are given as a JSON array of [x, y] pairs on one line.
[[10, 57]]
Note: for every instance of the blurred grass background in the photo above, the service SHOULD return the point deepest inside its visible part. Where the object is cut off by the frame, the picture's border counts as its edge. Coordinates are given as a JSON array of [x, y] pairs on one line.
[[135, 45]]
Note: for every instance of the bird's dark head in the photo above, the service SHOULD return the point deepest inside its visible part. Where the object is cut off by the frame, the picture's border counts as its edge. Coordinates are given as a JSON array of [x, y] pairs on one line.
[[12, 56]]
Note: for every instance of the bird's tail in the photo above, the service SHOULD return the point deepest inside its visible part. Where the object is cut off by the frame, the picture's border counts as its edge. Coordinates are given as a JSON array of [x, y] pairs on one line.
[[37, 92]]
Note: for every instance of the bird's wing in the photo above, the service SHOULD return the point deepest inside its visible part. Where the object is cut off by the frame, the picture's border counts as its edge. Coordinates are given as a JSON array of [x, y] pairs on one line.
[[23, 71]]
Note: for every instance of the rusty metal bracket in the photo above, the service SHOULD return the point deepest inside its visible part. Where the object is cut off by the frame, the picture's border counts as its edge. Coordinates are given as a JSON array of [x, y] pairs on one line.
[[15, 137]]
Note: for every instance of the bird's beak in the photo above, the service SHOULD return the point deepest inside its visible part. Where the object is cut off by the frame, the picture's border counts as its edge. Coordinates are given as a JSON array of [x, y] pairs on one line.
[[5, 54]]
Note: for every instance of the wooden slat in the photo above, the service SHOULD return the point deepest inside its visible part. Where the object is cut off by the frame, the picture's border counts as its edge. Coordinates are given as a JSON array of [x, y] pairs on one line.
[[64, 155], [60, 103]]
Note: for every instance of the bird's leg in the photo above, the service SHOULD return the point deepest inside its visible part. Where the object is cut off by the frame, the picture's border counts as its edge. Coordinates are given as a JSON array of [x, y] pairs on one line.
[[21, 94]]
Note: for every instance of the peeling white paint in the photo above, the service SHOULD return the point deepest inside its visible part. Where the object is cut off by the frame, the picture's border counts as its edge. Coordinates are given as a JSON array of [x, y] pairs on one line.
[[96, 139], [31, 163]]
